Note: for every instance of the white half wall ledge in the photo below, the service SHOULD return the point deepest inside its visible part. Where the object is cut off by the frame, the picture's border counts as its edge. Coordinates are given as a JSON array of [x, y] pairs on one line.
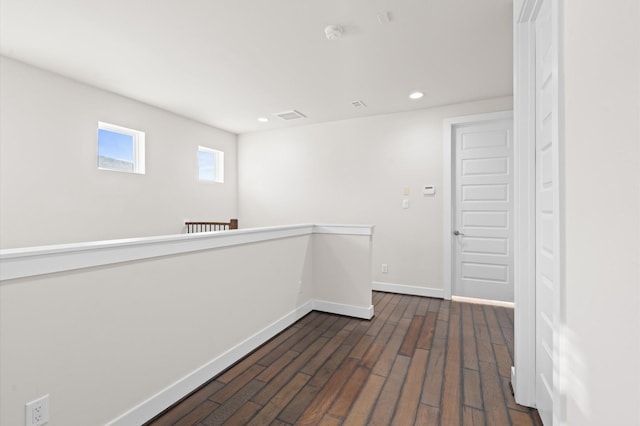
[[33, 261], [344, 229], [408, 289]]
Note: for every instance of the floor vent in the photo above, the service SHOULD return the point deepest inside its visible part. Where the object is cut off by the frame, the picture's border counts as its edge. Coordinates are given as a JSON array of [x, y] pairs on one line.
[[290, 115]]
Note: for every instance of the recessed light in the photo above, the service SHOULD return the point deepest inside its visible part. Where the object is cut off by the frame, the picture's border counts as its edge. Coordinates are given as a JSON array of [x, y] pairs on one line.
[[263, 119], [416, 95]]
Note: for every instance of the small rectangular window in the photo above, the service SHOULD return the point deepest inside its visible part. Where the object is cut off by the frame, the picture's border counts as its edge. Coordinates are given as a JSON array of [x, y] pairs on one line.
[[120, 149], [210, 165]]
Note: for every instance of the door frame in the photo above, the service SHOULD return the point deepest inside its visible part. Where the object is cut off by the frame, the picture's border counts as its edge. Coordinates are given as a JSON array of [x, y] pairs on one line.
[[448, 193], [523, 373]]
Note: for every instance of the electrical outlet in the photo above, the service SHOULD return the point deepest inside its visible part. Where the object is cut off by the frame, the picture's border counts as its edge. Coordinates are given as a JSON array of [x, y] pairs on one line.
[[37, 412], [385, 268]]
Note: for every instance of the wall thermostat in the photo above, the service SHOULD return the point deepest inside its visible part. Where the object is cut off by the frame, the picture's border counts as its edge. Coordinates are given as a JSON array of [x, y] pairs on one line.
[[429, 189]]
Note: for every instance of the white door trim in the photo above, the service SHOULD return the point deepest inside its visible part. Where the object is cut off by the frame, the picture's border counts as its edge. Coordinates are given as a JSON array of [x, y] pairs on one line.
[[448, 143], [524, 372]]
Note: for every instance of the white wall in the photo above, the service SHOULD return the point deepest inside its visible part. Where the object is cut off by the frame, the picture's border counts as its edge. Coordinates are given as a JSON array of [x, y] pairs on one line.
[[354, 171], [602, 172], [50, 188], [335, 279]]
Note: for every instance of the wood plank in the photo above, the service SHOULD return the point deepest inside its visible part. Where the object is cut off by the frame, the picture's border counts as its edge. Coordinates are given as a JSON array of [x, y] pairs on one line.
[[354, 337], [329, 321], [382, 301], [304, 343], [472, 416], [383, 366], [311, 316], [398, 312], [385, 333], [432, 389], [492, 324], [288, 372], [407, 406], [518, 418], [302, 400], [423, 306], [494, 403], [363, 406], [372, 355], [336, 327], [197, 414], [506, 325], [271, 410], [386, 404], [362, 346], [236, 384], [503, 360], [349, 393], [329, 420], [483, 340], [411, 337], [469, 350], [381, 318], [443, 312], [472, 390], [434, 305], [428, 416], [427, 332], [270, 372], [323, 400], [303, 332], [324, 353], [411, 308], [442, 327], [451, 388], [233, 404], [244, 414]]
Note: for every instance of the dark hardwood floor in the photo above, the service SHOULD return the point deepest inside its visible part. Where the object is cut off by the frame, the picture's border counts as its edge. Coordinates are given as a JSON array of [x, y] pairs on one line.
[[420, 361]]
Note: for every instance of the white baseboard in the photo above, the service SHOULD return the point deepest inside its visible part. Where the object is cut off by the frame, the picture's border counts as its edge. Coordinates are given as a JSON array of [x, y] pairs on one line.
[[340, 309], [181, 388], [408, 289], [482, 301]]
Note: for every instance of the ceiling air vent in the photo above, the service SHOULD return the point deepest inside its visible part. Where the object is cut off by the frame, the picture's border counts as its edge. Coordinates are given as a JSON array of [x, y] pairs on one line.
[[358, 104], [290, 115]]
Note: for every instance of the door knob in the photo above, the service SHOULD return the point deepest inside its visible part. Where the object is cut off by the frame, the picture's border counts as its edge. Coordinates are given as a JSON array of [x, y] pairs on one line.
[[456, 232]]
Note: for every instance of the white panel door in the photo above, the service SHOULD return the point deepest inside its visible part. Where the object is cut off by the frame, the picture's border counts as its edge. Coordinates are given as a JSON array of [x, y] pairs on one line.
[[483, 215], [546, 214]]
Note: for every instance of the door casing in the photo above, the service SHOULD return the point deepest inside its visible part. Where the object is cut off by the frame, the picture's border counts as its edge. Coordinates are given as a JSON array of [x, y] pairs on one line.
[[523, 374]]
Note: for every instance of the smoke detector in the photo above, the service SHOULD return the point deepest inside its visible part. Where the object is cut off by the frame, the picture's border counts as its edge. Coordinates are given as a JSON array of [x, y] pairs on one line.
[[333, 32]]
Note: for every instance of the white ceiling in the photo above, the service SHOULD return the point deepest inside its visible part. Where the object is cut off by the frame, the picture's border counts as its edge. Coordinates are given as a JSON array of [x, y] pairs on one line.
[[228, 62]]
